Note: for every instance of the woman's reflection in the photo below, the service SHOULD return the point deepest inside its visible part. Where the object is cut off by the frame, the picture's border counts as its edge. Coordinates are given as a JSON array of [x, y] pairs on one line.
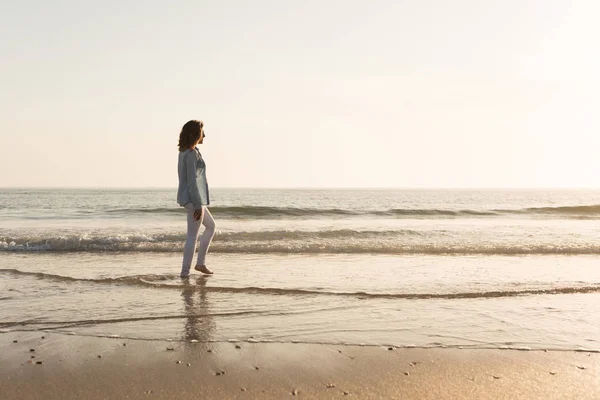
[[199, 324]]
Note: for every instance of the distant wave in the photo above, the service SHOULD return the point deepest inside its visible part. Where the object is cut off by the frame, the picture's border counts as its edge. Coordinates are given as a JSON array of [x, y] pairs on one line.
[[579, 210], [242, 211], [265, 212], [172, 282]]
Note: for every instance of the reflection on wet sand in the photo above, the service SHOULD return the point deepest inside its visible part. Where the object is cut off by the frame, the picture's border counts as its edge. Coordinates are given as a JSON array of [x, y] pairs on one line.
[[199, 324]]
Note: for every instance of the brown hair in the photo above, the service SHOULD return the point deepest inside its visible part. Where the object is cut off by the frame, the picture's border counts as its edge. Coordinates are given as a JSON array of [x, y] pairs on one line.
[[190, 133]]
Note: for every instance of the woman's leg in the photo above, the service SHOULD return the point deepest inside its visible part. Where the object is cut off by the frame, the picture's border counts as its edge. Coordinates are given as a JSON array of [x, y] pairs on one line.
[[206, 237], [190, 243]]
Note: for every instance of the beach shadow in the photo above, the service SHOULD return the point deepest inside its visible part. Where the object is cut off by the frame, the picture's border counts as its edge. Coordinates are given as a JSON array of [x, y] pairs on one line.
[[199, 324]]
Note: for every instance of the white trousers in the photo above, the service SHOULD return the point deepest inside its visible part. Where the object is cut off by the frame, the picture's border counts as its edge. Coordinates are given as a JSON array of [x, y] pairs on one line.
[[193, 227]]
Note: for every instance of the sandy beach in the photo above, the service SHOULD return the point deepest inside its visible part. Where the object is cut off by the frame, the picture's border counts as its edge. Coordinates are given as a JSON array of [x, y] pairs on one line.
[[38, 365]]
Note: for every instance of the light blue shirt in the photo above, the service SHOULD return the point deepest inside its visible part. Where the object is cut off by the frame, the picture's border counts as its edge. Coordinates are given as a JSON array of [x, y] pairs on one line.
[[193, 187]]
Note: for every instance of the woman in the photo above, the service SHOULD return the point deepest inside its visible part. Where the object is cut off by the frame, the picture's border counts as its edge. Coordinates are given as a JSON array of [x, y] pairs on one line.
[[193, 195]]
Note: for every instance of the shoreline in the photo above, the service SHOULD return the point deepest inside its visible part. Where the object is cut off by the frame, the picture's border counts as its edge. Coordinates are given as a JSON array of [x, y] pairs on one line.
[[76, 367]]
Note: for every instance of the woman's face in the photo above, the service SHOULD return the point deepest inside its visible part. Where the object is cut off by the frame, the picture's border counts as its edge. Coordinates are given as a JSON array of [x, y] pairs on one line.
[[201, 139]]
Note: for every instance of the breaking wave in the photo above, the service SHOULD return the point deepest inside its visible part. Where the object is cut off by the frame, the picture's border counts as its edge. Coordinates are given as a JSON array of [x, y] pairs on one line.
[[341, 241]]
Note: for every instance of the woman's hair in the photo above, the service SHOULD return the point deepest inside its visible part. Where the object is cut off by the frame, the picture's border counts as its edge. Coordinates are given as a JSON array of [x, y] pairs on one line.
[[190, 133]]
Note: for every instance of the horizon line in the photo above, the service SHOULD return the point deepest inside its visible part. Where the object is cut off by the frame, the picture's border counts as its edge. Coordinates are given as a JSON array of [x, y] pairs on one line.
[[295, 188]]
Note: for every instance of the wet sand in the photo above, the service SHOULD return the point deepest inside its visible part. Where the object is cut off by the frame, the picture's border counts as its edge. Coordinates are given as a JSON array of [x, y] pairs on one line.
[[75, 367]]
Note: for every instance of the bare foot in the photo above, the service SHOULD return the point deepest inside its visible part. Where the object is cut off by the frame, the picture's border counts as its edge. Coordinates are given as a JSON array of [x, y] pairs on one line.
[[203, 269]]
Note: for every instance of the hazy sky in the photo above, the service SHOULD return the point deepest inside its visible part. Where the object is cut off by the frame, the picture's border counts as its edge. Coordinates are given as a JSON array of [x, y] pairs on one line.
[[378, 93]]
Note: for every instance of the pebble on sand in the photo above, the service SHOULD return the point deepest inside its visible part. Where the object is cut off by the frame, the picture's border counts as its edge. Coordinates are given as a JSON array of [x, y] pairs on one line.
[[295, 392], [496, 377], [390, 348], [580, 367], [330, 386], [553, 373], [31, 349], [99, 356], [407, 373], [15, 341], [256, 368], [346, 393], [209, 351], [170, 348], [237, 346], [243, 389], [38, 362]]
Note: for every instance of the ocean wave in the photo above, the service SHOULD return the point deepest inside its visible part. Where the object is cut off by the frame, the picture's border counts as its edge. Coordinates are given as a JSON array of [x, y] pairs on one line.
[[158, 242], [310, 235], [578, 210], [265, 212], [401, 242], [241, 211], [173, 282]]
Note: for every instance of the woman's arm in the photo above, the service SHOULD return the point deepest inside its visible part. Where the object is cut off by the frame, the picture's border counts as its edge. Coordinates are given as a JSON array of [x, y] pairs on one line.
[[192, 185]]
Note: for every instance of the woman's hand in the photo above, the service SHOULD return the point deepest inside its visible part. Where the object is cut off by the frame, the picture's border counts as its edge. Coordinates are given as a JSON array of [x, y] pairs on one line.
[[198, 214]]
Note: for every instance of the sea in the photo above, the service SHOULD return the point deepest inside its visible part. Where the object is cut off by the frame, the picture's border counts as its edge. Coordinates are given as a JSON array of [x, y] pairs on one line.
[[501, 269]]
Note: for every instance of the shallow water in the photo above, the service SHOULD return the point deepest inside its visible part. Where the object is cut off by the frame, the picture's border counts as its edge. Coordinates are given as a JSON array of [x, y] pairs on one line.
[[532, 301]]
